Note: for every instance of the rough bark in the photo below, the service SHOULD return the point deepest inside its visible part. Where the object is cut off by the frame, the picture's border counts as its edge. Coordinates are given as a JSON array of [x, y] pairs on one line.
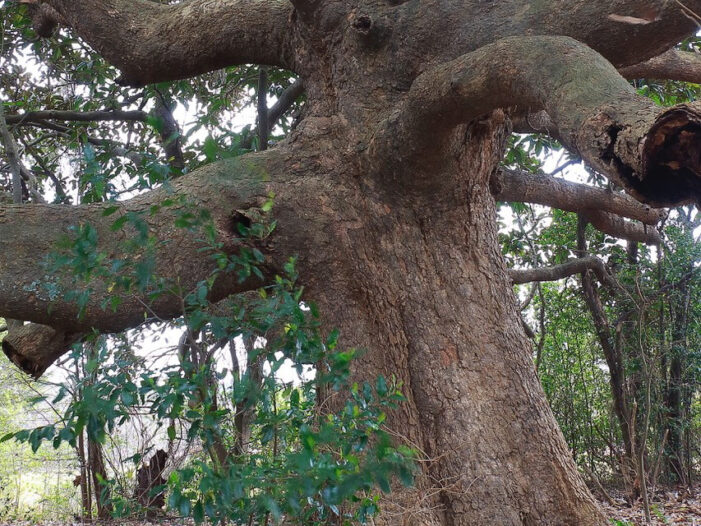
[[383, 191], [422, 279], [232, 191], [651, 152]]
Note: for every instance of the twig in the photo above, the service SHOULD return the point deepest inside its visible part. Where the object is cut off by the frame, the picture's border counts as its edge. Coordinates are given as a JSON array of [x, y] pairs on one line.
[[596, 481], [689, 13], [658, 461]]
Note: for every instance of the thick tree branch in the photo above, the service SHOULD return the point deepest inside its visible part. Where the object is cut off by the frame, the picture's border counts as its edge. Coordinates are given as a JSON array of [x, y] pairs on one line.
[[151, 42], [557, 272], [654, 153], [233, 191], [526, 121], [520, 186], [624, 31], [672, 65], [617, 227]]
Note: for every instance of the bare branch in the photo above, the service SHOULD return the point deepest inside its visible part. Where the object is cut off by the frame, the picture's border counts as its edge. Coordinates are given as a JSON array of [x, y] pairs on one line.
[[263, 121], [654, 153], [151, 42], [76, 116], [111, 146], [672, 65], [520, 186], [617, 227], [285, 102], [557, 272], [611, 351], [8, 142], [169, 131]]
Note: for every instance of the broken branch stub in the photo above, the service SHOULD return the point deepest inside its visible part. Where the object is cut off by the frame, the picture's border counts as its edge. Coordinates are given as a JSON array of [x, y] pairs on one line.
[[34, 347], [656, 158]]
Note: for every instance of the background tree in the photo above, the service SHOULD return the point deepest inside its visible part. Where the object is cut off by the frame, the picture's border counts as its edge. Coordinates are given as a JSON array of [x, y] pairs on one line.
[[384, 190]]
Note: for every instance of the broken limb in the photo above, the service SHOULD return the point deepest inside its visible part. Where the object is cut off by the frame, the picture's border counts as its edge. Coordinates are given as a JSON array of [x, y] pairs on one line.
[[34, 347], [654, 153]]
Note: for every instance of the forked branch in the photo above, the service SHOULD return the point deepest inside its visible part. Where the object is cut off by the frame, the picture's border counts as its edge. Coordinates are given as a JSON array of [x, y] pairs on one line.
[[654, 153]]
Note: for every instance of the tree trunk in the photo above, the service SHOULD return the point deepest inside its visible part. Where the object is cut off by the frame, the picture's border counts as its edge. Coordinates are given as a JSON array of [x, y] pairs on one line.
[[98, 472], [82, 479], [383, 193], [420, 283], [673, 396]]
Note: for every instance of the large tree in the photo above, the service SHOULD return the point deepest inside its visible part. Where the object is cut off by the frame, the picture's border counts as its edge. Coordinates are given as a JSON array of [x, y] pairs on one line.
[[386, 192]]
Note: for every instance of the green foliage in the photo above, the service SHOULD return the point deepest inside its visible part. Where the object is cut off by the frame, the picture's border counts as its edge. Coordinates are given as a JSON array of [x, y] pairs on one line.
[[306, 465], [33, 487]]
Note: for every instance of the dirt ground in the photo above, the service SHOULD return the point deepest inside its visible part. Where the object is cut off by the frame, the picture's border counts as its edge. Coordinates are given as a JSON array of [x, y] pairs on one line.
[[667, 507], [670, 506]]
